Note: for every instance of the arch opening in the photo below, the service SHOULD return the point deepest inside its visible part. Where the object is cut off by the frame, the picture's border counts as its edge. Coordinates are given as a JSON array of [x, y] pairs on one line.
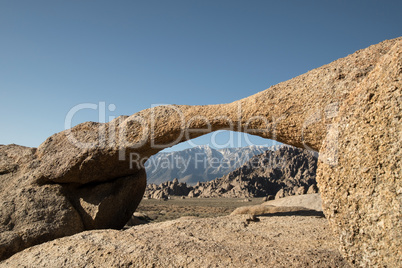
[[231, 172]]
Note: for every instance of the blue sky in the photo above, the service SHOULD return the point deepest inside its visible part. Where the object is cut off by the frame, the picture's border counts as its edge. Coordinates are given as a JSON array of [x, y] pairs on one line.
[[55, 55]]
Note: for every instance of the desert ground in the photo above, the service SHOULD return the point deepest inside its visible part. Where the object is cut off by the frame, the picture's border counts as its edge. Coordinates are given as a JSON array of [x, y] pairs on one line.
[[199, 232], [174, 208]]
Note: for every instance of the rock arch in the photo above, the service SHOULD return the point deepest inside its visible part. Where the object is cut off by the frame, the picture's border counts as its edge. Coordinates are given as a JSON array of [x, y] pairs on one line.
[[349, 110]]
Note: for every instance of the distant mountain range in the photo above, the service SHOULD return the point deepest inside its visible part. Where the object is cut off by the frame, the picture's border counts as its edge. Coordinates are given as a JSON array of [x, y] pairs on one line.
[[199, 164], [282, 172]]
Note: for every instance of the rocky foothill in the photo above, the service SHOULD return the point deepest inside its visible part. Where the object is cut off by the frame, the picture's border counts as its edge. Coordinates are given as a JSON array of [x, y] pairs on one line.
[[286, 171]]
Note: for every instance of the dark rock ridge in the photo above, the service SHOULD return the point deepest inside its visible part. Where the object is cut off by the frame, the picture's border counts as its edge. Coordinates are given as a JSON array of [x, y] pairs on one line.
[[200, 163], [349, 111], [166, 189], [289, 169]]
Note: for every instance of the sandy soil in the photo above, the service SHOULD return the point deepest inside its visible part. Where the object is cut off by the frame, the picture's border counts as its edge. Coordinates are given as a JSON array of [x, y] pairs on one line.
[[229, 241], [158, 210], [199, 237]]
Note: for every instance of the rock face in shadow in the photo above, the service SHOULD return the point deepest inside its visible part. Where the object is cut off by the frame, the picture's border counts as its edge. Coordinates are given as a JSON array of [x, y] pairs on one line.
[[104, 205], [349, 110]]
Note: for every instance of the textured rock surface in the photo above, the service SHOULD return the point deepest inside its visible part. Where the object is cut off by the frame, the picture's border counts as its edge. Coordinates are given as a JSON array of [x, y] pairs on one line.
[[29, 213], [212, 242], [351, 106], [362, 191], [265, 210], [310, 201]]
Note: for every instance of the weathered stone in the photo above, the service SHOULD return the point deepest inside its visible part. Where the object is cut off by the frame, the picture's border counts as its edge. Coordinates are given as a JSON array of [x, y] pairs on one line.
[[362, 186], [108, 204], [309, 201], [192, 242], [30, 213]]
